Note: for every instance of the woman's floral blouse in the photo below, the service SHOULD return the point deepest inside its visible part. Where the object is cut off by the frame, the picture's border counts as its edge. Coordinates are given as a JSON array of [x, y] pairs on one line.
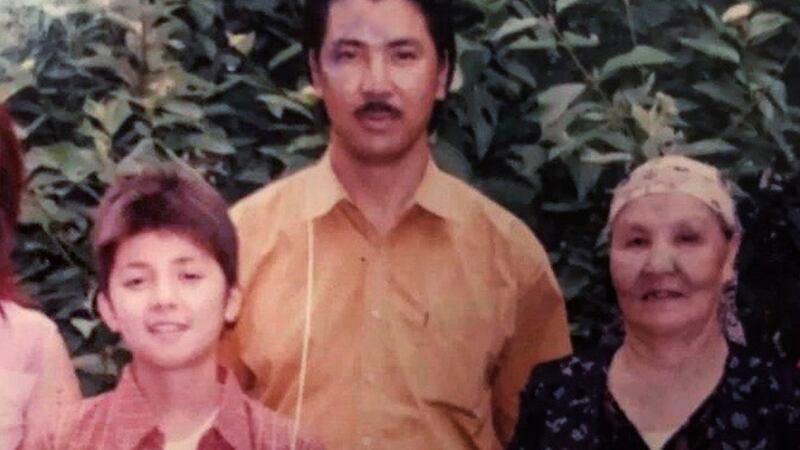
[[567, 405]]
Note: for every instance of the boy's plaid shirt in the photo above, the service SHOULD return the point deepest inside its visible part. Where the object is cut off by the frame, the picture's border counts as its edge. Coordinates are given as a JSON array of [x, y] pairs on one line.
[[124, 420]]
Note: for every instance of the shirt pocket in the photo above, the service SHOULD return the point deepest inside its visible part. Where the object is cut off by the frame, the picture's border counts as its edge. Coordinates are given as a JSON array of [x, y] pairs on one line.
[[457, 349]]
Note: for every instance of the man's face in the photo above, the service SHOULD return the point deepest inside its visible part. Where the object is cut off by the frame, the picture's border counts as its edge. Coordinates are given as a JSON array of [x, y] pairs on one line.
[[378, 74], [169, 298]]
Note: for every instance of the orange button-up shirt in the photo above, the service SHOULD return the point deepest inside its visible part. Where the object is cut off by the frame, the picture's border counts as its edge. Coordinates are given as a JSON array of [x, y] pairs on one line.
[[123, 419], [420, 339]]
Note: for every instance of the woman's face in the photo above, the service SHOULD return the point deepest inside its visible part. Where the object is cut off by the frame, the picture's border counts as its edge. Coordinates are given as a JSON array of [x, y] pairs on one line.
[[669, 261]]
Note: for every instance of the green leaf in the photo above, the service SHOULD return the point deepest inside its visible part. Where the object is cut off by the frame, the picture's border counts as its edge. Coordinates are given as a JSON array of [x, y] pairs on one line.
[[103, 59], [278, 103], [764, 25], [20, 79], [585, 176], [212, 144], [561, 5], [776, 132], [93, 364], [555, 100], [203, 11], [707, 147], [725, 91], [44, 212], [766, 107], [592, 156], [572, 144], [577, 41], [472, 60], [718, 25], [578, 112], [186, 109], [285, 55], [618, 141], [641, 55], [712, 46], [774, 87], [84, 326], [74, 162], [533, 158], [482, 113], [242, 42], [141, 156], [508, 190], [540, 43], [520, 71], [111, 114], [514, 26], [306, 142], [452, 160]]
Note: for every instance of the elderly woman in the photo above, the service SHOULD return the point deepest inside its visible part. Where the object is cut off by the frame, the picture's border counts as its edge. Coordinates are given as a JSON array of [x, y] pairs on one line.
[[677, 381], [36, 375]]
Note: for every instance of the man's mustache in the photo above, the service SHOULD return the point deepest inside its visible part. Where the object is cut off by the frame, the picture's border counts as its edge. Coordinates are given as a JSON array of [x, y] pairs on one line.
[[378, 107]]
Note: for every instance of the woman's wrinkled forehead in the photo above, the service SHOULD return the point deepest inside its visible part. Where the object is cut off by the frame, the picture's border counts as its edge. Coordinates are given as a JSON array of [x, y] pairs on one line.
[[677, 174], [670, 213]]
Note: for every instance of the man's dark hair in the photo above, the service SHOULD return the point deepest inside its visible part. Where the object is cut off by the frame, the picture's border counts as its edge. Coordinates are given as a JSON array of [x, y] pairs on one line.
[[438, 18]]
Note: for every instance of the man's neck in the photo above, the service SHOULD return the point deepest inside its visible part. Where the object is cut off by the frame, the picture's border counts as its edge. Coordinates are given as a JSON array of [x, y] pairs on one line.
[[382, 192], [183, 398]]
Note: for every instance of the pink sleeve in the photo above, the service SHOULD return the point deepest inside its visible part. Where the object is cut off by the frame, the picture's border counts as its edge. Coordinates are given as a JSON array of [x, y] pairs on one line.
[[56, 388]]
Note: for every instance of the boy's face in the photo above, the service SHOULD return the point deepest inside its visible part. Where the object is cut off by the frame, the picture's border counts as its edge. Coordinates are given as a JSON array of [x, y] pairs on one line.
[[169, 299]]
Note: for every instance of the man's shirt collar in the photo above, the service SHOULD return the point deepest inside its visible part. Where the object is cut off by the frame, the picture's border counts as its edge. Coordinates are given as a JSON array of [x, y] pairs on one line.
[[434, 193]]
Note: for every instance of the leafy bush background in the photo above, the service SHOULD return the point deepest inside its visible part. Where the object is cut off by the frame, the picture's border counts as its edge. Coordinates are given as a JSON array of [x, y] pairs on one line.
[[552, 104]]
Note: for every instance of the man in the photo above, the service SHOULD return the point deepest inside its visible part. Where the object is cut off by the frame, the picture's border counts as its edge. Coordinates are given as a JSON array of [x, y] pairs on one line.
[[386, 304]]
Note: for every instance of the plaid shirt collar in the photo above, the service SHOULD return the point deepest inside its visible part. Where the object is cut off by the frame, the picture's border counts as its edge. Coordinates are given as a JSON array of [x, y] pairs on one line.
[[137, 425]]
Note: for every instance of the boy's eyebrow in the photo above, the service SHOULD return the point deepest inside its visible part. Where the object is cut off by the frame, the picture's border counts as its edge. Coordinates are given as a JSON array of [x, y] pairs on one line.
[[143, 265], [136, 265], [184, 259]]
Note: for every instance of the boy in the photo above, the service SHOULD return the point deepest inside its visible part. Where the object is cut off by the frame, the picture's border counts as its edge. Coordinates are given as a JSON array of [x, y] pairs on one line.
[[166, 258]]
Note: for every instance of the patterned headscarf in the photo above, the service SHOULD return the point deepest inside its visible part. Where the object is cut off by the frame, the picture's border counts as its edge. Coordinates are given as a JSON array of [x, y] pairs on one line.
[[679, 174]]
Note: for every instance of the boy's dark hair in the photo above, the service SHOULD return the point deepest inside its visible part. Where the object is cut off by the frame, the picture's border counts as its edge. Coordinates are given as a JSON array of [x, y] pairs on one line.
[[163, 199], [438, 18]]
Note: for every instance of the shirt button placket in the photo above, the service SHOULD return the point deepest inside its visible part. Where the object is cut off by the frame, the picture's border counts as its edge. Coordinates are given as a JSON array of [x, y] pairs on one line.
[[375, 292]]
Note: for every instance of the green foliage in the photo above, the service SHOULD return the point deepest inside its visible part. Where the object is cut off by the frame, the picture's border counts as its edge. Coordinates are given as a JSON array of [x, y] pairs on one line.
[[551, 104]]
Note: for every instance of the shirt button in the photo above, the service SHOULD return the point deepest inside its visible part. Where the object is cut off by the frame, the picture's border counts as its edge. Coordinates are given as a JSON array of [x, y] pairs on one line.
[[371, 378], [366, 441], [376, 314]]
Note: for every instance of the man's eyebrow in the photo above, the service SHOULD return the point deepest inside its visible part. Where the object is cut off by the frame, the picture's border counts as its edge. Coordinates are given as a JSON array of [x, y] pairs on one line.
[[395, 43], [404, 42], [347, 42]]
